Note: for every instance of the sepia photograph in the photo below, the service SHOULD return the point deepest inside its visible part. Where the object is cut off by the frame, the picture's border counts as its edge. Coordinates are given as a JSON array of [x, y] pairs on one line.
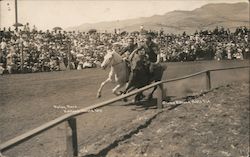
[[124, 78]]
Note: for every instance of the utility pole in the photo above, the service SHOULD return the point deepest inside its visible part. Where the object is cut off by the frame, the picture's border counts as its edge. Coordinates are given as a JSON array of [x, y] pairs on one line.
[[16, 17]]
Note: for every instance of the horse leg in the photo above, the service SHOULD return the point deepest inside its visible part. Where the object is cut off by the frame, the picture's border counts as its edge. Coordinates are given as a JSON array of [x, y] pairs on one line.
[[138, 97], [129, 87], [114, 91], [164, 96], [126, 91], [101, 86], [109, 79], [164, 93], [150, 96], [129, 83], [161, 88]]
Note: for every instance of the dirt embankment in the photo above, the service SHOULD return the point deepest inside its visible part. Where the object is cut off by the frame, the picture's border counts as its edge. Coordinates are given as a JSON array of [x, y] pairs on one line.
[[214, 125]]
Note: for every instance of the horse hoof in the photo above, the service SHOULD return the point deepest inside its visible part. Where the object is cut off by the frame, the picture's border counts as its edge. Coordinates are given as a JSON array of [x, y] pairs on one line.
[[98, 96], [119, 93]]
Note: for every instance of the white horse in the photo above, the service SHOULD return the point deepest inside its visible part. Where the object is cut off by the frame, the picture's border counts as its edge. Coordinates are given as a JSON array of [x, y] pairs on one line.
[[119, 71]]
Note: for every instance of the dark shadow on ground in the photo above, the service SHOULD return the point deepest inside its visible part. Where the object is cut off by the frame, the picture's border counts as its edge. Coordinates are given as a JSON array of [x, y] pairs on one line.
[[146, 104]]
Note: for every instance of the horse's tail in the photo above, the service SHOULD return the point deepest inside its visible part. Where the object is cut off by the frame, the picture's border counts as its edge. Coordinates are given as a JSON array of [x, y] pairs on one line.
[[164, 67]]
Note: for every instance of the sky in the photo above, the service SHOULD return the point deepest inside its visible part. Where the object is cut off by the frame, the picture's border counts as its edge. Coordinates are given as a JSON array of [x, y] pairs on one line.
[[47, 14]]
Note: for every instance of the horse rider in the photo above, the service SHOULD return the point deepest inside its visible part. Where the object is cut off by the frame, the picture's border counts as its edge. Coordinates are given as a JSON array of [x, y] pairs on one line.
[[151, 52], [126, 51], [143, 62]]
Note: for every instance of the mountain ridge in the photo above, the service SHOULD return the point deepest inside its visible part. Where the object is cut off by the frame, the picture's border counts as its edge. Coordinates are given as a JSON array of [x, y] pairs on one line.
[[228, 15]]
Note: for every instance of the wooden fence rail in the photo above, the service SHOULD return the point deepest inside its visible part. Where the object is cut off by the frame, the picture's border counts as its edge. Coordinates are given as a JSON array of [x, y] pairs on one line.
[[71, 127]]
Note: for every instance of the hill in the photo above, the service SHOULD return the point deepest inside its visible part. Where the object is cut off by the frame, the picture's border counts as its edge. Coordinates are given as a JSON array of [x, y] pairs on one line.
[[207, 17]]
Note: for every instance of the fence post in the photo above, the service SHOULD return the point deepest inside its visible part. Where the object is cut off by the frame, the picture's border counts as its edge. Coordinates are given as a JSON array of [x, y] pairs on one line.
[[208, 80], [160, 96], [71, 138]]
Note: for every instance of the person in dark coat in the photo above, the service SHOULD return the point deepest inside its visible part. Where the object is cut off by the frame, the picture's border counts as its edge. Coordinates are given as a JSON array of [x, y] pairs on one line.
[[130, 48], [151, 50]]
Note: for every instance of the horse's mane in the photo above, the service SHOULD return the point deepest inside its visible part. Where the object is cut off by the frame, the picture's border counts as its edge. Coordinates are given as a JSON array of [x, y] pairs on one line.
[[115, 53]]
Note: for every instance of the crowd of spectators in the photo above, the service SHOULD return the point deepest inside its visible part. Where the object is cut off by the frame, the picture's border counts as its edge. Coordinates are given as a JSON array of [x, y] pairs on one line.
[[216, 44], [30, 50]]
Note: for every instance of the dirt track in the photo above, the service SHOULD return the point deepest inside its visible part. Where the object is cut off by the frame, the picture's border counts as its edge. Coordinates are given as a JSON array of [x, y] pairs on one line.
[[29, 100]]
